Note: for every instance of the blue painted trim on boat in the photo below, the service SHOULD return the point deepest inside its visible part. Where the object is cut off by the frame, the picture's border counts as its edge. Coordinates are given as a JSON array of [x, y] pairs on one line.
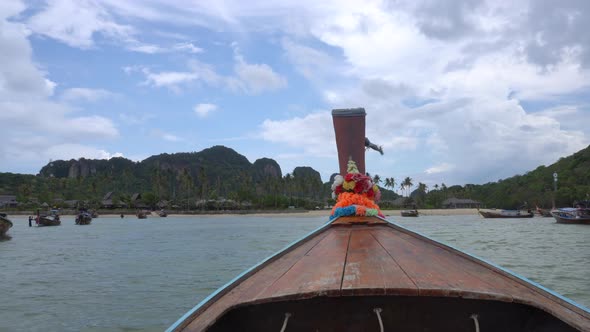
[[561, 297], [241, 275]]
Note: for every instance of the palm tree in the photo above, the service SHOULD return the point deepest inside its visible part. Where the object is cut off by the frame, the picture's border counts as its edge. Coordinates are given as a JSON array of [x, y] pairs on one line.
[[187, 183], [422, 187], [289, 186], [436, 187], [376, 179], [389, 183], [408, 184]]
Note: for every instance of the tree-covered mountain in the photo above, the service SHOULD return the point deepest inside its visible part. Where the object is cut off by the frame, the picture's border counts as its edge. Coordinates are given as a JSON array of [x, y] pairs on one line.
[[535, 187], [221, 173], [214, 173]]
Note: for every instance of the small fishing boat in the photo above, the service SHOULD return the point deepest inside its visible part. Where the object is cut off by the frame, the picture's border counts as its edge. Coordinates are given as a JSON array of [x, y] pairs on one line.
[[162, 213], [83, 218], [5, 224], [409, 213], [362, 272], [94, 214], [48, 220], [493, 213], [141, 215], [580, 215]]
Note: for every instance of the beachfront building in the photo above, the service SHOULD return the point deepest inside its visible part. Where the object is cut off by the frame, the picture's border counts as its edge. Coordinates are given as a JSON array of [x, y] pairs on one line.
[[8, 201], [460, 203], [107, 201]]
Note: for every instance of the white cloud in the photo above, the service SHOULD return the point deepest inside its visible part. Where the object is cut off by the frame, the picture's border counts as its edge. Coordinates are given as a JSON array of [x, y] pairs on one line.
[[137, 46], [203, 110], [310, 62], [34, 126], [135, 119], [146, 48], [77, 23], [247, 78], [312, 134], [443, 83], [85, 94], [168, 79], [69, 151], [187, 47], [254, 78], [440, 168], [165, 136]]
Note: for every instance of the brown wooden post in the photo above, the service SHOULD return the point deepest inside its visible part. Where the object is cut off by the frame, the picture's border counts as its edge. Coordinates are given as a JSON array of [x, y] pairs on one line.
[[349, 126]]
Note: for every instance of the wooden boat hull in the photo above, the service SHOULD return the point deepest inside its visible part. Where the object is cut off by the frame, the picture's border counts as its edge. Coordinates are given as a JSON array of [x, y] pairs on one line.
[[409, 213], [334, 279], [398, 313], [362, 273], [141, 216], [46, 221], [564, 218], [5, 225], [85, 219], [493, 214]]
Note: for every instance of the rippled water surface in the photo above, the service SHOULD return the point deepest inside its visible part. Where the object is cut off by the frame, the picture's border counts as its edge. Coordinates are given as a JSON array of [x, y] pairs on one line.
[[129, 274]]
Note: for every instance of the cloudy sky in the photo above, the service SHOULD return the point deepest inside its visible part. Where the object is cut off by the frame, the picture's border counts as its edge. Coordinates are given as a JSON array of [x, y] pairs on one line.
[[455, 91]]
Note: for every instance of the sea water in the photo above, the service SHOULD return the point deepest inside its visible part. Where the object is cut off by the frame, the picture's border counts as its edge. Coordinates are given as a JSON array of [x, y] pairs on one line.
[[130, 274]]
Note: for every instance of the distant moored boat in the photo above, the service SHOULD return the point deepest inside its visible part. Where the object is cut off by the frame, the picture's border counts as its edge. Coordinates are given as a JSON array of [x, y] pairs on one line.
[[83, 218], [5, 224], [409, 213], [493, 213], [577, 215], [45, 220]]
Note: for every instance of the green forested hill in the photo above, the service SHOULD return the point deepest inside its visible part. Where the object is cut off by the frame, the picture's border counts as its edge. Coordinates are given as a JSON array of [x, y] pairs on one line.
[[534, 187], [213, 173], [220, 172]]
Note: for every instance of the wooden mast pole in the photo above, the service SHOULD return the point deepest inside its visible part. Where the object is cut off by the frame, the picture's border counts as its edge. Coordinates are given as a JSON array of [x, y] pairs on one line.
[[349, 127]]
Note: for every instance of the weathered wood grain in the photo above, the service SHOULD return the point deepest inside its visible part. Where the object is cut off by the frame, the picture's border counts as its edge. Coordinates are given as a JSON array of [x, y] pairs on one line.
[[370, 270], [319, 272], [375, 258]]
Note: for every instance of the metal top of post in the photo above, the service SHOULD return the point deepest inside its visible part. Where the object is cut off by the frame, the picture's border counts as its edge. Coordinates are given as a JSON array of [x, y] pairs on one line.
[[349, 112]]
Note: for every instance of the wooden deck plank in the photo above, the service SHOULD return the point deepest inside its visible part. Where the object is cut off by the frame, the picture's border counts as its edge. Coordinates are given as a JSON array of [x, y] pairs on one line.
[[370, 270], [430, 271], [358, 221], [247, 290], [319, 272], [377, 259], [500, 287]]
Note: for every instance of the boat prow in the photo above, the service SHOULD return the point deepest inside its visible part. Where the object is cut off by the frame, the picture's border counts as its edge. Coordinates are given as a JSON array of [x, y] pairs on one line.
[[361, 272], [358, 272]]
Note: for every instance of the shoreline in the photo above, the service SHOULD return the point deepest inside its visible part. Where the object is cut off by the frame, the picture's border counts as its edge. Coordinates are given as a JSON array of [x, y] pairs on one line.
[[314, 213], [270, 213]]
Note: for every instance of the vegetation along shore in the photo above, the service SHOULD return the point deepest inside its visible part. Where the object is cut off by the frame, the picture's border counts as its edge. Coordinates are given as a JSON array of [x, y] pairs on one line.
[[220, 180]]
